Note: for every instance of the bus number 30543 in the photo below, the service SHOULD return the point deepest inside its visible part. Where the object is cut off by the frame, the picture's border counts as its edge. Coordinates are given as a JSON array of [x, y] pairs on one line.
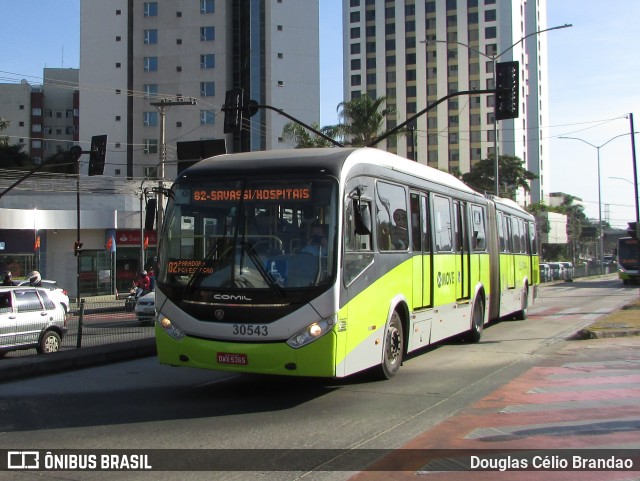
[[250, 330]]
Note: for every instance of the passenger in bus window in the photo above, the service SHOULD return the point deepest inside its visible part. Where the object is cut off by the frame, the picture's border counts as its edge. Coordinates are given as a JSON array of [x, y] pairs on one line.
[[400, 232]]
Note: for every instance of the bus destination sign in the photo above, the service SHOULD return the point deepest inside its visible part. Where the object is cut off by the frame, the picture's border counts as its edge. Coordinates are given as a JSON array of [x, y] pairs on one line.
[[299, 193]]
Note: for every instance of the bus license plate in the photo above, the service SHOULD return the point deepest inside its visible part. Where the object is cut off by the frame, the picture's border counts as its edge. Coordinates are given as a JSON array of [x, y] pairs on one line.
[[232, 358]]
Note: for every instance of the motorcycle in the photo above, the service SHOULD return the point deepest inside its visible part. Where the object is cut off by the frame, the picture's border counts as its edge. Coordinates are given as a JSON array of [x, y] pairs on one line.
[[132, 298]]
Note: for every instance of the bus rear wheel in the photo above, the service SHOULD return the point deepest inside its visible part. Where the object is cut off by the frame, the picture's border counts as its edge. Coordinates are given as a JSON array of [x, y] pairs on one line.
[[393, 348], [477, 321], [521, 315]]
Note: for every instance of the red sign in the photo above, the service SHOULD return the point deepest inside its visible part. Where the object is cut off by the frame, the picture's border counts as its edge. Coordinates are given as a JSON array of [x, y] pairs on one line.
[[132, 237]]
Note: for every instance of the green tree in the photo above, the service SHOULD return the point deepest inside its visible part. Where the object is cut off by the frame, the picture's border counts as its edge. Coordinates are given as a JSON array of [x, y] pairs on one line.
[[363, 119], [512, 176], [303, 138]]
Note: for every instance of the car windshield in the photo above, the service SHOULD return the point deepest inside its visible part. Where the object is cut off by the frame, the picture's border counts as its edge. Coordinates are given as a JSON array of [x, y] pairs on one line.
[[266, 234]]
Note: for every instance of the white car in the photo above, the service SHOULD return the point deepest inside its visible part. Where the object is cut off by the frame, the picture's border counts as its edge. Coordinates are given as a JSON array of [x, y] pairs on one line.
[[56, 292], [29, 318], [146, 308]]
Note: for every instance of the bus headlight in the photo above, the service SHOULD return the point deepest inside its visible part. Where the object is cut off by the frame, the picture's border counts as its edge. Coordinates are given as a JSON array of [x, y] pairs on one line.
[[171, 329], [311, 333]]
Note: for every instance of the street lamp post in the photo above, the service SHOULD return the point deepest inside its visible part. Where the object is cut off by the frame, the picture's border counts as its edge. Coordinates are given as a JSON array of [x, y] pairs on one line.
[[600, 232], [494, 60]]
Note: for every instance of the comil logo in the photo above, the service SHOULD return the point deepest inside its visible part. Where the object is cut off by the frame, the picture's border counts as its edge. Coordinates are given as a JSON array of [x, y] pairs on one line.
[[23, 460]]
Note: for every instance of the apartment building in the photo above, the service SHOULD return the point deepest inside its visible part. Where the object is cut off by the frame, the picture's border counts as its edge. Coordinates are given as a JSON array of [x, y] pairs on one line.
[[138, 53], [417, 52]]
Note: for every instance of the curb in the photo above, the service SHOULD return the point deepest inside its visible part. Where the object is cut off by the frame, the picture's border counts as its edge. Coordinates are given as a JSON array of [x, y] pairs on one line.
[[21, 368]]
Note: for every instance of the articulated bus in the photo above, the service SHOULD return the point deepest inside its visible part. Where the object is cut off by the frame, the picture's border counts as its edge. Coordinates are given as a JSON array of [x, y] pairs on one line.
[[328, 262], [628, 260]]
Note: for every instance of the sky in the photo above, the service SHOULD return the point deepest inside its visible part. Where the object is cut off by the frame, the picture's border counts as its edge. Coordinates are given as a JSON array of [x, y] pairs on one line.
[[594, 69]]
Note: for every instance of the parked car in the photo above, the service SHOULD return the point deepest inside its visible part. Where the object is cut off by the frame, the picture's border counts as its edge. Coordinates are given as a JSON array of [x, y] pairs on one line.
[[146, 308], [567, 271], [554, 271], [544, 272], [29, 318], [56, 292]]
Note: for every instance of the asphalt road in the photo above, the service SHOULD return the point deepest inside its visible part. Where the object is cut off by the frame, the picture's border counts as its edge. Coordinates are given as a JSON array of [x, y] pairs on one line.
[[139, 404]]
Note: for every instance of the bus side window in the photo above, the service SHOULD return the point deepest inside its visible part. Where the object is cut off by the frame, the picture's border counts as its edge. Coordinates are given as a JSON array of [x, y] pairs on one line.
[[358, 247], [442, 224], [479, 236], [501, 235], [416, 222], [533, 236]]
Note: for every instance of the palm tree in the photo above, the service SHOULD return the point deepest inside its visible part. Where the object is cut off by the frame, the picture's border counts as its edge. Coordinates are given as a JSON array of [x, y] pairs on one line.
[[303, 138], [363, 119]]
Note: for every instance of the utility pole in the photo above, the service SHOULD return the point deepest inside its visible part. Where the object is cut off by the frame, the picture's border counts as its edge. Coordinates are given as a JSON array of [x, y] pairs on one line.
[[162, 108]]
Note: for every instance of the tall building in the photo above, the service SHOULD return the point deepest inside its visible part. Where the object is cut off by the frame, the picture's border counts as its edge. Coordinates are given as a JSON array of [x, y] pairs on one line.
[[138, 53], [43, 119], [417, 52]]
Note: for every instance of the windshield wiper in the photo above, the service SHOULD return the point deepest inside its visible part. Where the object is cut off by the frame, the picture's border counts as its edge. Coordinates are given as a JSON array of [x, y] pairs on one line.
[[251, 252]]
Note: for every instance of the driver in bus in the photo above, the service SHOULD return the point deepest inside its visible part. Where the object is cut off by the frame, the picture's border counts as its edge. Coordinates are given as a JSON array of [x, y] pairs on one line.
[[317, 243]]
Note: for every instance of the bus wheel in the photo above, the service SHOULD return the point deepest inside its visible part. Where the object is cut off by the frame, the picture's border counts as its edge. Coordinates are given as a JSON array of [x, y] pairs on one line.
[[477, 321], [393, 347], [521, 315]]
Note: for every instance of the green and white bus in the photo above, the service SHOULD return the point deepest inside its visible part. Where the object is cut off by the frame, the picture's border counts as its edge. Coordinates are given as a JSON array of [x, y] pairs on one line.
[[327, 262]]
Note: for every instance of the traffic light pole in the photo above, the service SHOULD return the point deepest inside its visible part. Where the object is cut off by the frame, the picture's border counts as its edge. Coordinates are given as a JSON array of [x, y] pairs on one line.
[[424, 111]]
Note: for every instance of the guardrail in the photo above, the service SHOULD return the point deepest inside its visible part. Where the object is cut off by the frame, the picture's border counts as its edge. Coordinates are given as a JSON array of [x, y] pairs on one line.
[[96, 323]]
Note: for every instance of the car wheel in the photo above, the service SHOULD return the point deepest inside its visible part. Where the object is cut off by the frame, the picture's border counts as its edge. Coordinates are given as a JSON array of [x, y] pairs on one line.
[[50, 342], [393, 348]]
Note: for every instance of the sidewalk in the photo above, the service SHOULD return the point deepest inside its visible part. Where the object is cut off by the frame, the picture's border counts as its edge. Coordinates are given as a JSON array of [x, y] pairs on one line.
[[582, 402]]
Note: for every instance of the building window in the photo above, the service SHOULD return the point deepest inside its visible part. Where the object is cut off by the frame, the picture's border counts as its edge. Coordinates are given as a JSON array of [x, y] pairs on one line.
[[489, 15], [490, 32], [150, 64], [36, 112], [118, 38], [207, 89], [207, 6], [207, 60], [150, 9], [356, 80], [280, 83], [36, 128], [355, 32], [150, 146], [150, 90], [207, 34], [355, 48], [354, 17], [356, 64], [150, 36], [150, 119], [207, 117]]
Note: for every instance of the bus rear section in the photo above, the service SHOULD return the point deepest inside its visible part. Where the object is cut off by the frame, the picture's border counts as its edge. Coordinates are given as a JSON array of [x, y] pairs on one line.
[[628, 259]]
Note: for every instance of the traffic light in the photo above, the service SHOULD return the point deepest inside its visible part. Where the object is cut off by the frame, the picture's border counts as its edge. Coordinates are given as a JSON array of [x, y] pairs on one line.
[[507, 90], [232, 108], [97, 154], [77, 248]]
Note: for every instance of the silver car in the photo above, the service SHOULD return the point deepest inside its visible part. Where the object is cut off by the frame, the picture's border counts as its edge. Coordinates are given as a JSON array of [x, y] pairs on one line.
[[29, 318], [55, 292], [146, 308]]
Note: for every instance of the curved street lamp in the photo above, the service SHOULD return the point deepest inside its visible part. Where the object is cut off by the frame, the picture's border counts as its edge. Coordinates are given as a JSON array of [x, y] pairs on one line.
[[494, 59], [598, 147]]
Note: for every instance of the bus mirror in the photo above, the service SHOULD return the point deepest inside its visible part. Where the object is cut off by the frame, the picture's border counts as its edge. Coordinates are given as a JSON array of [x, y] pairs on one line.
[[362, 218]]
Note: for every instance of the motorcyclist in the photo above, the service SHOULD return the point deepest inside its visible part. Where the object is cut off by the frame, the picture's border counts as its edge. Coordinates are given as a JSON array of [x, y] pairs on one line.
[[35, 279], [142, 284], [7, 281]]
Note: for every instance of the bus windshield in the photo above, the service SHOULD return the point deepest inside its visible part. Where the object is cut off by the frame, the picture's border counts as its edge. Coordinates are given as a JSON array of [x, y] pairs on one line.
[[628, 254], [266, 234]]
